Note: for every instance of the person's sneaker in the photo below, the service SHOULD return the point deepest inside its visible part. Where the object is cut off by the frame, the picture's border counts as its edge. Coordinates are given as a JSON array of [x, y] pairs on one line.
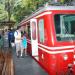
[[26, 55], [17, 56], [22, 56]]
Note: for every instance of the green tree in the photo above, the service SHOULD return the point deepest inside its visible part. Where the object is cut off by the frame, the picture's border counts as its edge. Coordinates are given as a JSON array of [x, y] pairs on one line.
[[9, 4], [24, 8], [19, 9], [3, 13]]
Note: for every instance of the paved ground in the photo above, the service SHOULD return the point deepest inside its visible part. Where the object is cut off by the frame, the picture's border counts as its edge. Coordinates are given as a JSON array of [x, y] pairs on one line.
[[27, 66]]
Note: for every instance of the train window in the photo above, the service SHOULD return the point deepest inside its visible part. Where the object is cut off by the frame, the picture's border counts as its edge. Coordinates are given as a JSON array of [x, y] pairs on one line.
[[29, 35], [65, 27], [34, 30], [27, 29], [41, 30]]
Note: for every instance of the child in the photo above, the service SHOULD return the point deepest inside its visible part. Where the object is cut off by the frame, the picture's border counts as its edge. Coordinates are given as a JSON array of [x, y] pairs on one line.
[[24, 44]]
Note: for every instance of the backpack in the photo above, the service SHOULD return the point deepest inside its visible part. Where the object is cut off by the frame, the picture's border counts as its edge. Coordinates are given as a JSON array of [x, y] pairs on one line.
[[12, 37]]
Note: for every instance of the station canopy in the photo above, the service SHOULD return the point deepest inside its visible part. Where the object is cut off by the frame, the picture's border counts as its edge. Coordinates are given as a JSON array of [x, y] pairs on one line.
[[7, 23]]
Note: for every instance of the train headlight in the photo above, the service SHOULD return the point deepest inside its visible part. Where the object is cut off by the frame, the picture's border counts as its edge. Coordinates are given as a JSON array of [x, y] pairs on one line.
[[70, 65], [65, 57], [74, 56], [74, 62]]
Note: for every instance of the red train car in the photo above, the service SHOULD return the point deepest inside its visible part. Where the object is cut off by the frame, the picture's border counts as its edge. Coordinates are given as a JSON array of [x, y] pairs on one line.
[[51, 38]]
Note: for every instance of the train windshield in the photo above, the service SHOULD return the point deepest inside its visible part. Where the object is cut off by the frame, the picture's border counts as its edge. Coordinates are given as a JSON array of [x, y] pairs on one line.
[[65, 27]]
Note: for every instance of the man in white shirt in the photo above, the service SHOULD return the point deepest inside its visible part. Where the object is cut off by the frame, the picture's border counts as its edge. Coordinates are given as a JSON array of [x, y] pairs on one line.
[[17, 35]]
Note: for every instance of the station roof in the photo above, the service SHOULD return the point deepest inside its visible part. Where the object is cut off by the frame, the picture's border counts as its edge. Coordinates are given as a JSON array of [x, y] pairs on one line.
[[7, 23]]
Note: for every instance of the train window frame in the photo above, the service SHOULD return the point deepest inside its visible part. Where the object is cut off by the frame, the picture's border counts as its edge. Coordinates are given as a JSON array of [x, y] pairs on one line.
[[41, 30], [67, 36], [34, 30], [28, 31]]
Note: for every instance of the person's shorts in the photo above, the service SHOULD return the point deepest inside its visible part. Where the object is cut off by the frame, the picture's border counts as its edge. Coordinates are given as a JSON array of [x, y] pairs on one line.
[[18, 46], [23, 46]]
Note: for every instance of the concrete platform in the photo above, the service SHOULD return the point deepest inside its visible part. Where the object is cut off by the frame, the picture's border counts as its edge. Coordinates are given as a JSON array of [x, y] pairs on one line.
[[27, 66]]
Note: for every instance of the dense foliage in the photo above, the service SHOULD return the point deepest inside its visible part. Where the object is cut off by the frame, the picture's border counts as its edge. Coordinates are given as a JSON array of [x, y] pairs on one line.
[[16, 10]]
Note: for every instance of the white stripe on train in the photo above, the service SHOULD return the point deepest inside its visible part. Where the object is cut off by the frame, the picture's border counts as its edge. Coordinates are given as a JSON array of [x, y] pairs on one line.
[[56, 52], [53, 48], [45, 13], [34, 16]]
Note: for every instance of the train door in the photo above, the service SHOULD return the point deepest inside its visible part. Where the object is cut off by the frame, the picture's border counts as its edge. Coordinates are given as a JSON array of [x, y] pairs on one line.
[[34, 41]]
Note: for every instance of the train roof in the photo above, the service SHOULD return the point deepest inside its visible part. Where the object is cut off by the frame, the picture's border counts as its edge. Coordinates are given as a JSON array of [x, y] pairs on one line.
[[46, 8], [56, 8]]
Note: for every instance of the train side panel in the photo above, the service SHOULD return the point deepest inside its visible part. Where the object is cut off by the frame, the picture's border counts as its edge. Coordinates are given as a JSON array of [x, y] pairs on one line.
[[56, 57]]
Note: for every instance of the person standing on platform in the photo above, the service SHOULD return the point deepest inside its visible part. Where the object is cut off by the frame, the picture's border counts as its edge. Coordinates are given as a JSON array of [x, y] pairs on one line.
[[24, 44], [6, 44], [17, 36], [10, 37]]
